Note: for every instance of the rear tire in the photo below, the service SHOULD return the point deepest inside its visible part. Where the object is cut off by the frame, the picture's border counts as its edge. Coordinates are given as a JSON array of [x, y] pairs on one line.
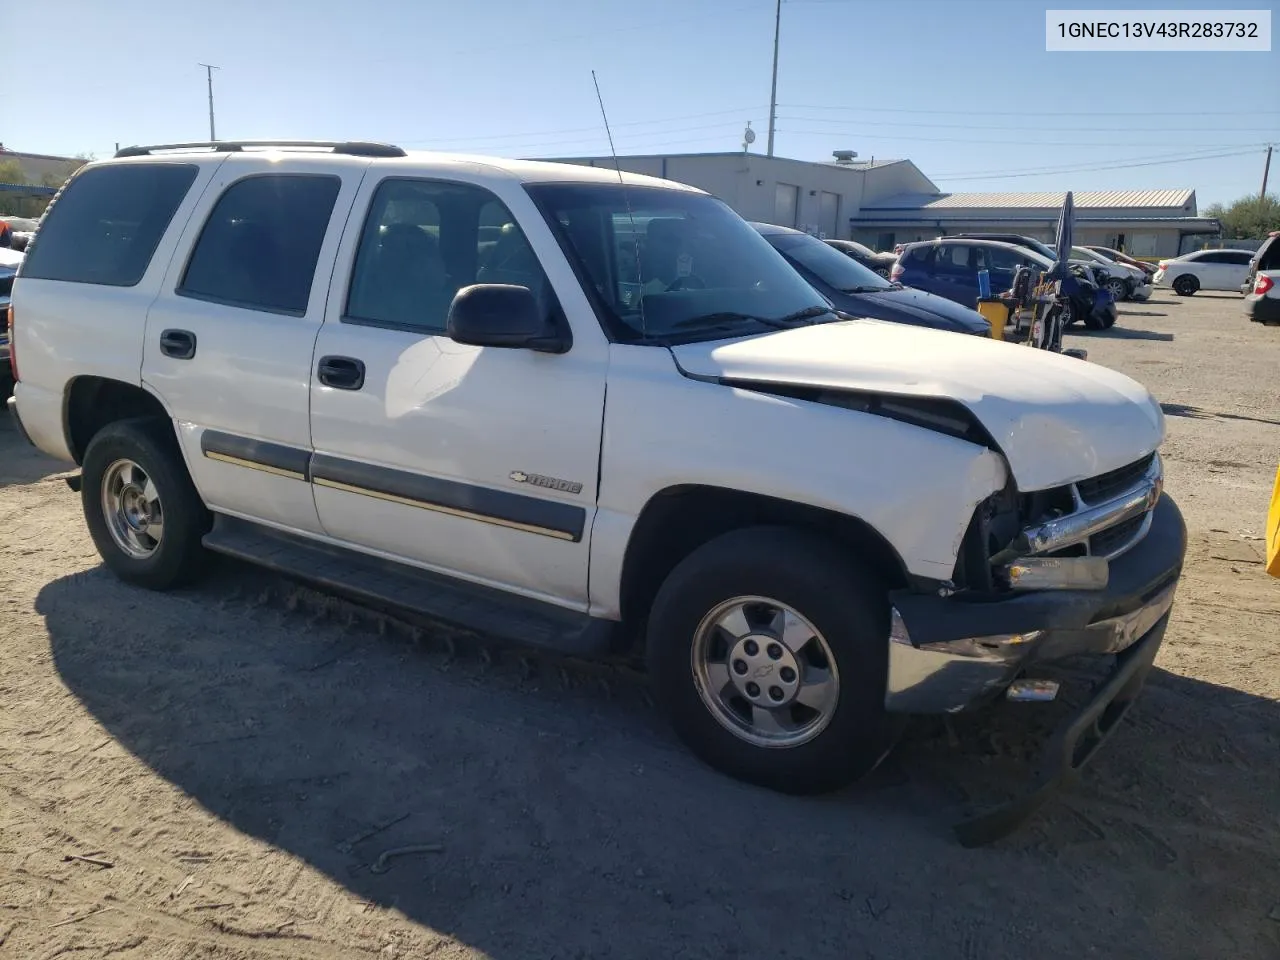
[[143, 511], [801, 616], [1186, 285]]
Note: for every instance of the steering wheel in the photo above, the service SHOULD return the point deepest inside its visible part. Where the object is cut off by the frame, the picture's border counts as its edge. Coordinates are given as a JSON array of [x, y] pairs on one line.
[[689, 282]]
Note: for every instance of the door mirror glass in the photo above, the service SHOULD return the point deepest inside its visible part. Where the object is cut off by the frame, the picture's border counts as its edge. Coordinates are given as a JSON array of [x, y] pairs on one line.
[[502, 315]]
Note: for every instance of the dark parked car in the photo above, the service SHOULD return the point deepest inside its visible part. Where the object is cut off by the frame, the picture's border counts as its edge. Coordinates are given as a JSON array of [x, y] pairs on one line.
[[854, 289], [881, 263], [949, 267], [9, 261], [1096, 273]]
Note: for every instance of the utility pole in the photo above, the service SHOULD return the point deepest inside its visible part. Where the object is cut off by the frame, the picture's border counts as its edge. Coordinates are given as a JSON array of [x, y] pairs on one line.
[[1266, 169], [208, 72], [773, 94]]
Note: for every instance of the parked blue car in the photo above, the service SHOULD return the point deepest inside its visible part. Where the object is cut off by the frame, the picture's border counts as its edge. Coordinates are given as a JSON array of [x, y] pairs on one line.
[[949, 268], [857, 290]]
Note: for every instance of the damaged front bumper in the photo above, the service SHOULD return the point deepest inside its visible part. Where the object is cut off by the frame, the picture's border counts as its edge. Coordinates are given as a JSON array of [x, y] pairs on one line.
[[949, 653]]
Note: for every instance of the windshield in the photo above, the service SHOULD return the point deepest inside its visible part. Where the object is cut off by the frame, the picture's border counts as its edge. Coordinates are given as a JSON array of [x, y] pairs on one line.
[[667, 263], [829, 265], [1080, 253], [1040, 247]]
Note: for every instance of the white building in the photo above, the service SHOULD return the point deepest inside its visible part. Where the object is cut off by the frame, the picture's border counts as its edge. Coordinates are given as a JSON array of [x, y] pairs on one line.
[[818, 197], [884, 202]]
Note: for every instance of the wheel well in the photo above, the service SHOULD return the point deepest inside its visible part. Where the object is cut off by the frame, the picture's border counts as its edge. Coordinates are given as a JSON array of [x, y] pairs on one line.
[[94, 402], [678, 520]]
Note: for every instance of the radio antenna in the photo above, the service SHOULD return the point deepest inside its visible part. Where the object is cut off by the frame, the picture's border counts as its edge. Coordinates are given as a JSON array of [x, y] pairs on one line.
[[626, 198]]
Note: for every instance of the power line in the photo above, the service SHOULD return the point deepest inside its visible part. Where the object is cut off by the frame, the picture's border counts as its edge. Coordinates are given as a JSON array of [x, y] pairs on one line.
[[1090, 169], [972, 126], [1178, 155], [987, 113], [1019, 143], [628, 143], [593, 129]]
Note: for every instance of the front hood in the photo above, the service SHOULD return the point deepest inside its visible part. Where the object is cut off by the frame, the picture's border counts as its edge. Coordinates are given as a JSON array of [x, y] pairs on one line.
[[906, 305], [1056, 419]]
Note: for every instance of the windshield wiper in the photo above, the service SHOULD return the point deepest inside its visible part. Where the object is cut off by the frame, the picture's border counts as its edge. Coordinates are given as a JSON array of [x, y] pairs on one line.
[[731, 318], [865, 289], [808, 313]]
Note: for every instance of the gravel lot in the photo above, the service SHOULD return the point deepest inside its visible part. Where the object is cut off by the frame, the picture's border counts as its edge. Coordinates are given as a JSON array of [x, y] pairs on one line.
[[252, 770]]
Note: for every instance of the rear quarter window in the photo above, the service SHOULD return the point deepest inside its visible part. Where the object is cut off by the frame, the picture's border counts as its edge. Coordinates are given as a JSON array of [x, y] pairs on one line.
[[105, 224], [916, 257]]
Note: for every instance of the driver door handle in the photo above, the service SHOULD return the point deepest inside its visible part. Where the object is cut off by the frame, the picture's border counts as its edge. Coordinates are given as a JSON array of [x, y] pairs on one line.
[[179, 344], [341, 373]]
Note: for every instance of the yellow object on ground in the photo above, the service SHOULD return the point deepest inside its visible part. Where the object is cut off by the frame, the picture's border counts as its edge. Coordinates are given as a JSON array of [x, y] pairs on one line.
[[1273, 531], [996, 313]]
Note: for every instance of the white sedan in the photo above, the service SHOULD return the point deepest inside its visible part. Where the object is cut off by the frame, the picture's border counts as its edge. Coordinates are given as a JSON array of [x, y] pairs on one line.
[[1204, 270]]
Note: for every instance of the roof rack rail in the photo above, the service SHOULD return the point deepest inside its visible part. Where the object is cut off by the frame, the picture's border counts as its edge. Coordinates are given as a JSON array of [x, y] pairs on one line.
[[352, 148]]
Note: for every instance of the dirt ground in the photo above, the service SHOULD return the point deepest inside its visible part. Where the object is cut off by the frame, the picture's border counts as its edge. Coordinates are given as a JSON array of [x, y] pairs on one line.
[[250, 770]]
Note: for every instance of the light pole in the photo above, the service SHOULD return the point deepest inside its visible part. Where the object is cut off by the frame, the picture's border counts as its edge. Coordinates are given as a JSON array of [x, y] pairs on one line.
[[773, 93], [208, 72]]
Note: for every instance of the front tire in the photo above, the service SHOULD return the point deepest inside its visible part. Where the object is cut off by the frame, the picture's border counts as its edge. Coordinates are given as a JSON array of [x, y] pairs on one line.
[[1186, 285], [142, 509], [1119, 289], [768, 648]]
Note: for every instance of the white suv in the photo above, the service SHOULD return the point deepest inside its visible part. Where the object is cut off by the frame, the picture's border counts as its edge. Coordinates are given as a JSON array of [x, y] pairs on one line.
[[598, 413]]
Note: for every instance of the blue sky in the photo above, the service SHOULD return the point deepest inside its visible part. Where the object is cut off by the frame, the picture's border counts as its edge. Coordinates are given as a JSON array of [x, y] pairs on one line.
[[965, 89]]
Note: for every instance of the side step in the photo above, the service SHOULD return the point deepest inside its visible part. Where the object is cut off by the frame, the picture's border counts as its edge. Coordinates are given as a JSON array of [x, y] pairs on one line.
[[384, 583]]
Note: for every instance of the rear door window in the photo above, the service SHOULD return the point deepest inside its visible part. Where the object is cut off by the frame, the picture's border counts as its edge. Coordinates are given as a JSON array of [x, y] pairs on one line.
[[952, 260], [104, 226], [1269, 254], [260, 245]]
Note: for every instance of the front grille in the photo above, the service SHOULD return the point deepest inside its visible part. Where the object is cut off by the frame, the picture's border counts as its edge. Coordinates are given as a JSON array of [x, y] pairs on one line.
[[1105, 486], [1116, 538]]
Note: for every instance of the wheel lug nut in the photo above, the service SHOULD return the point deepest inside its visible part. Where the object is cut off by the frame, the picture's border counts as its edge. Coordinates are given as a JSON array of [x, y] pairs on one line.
[[774, 651], [739, 667], [787, 674], [753, 689], [775, 693], [751, 648]]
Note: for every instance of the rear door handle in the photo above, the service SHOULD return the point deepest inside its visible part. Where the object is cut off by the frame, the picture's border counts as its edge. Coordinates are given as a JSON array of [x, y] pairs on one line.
[[179, 344], [341, 373]]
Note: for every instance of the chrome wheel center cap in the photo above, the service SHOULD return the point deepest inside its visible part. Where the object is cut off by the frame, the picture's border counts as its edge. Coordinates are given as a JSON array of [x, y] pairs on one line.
[[764, 671]]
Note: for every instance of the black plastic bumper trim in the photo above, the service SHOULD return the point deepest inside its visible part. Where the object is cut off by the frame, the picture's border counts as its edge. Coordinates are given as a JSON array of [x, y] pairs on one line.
[[1074, 744], [1136, 577]]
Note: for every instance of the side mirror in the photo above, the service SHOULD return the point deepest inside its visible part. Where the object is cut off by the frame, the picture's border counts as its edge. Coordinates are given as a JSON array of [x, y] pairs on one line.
[[502, 315]]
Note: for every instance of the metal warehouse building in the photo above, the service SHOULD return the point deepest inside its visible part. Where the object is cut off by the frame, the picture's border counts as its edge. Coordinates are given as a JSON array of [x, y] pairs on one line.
[[1144, 223], [884, 202]]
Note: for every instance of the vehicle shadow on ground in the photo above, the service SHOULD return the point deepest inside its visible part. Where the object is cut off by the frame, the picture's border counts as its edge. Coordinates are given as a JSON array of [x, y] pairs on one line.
[[1199, 413], [1123, 333], [563, 820], [19, 462]]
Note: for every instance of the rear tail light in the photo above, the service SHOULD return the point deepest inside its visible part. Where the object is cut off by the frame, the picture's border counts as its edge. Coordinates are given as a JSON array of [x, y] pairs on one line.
[[896, 273], [13, 347], [1263, 284]]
